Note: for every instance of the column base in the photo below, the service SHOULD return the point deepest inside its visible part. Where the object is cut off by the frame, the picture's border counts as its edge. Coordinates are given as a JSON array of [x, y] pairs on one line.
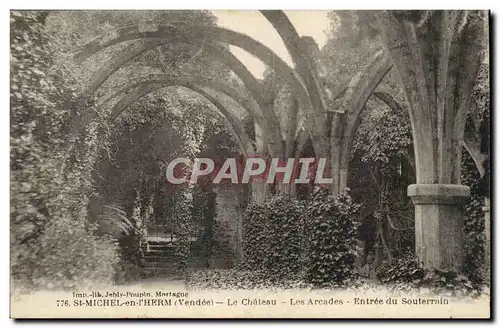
[[439, 222]]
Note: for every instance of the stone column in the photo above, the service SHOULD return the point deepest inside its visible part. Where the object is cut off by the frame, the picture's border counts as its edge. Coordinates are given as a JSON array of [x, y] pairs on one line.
[[439, 222], [437, 56]]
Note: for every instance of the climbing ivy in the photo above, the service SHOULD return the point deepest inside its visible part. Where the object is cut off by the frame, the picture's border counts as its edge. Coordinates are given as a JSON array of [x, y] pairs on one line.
[[331, 230], [312, 240], [53, 245], [474, 222], [274, 237]]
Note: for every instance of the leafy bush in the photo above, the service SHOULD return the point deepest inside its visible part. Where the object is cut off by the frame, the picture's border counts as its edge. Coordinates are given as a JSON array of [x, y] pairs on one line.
[[223, 244], [474, 240], [255, 221], [443, 281], [224, 279], [408, 271], [312, 240], [132, 244], [404, 269], [72, 256], [234, 279], [52, 245], [474, 223], [274, 237], [130, 252], [183, 227], [331, 233]]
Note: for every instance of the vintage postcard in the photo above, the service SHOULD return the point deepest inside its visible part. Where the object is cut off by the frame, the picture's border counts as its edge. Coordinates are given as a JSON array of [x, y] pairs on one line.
[[250, 164]]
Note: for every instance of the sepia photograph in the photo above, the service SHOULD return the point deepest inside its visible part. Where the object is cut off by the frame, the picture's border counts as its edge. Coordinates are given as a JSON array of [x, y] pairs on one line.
[[218, 164]]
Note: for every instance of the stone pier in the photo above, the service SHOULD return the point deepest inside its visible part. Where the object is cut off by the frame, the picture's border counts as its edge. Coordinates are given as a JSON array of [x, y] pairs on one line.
[[439, 222]]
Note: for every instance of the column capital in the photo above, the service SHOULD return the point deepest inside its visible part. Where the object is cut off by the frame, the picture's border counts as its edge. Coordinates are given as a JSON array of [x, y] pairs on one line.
[[438, 194]]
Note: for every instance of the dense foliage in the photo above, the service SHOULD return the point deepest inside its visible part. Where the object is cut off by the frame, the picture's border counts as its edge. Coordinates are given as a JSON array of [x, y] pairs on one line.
[[50, 175], [312, 240], [73, 210], [331, 224], [474, 223], [227, 280], [406, 273], [223, 254], [274, 237]]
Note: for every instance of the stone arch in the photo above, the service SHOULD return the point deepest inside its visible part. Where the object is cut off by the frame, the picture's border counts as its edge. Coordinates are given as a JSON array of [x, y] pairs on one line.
[[347, 120], [299, 49], [254, 87], [438, 90], [300, 55], [438, 61], [330, 144], [388, 100], [270, 122], [232, 120], [190, 82], [161, 34], [470, 145], [157, 81], [234, 123]]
